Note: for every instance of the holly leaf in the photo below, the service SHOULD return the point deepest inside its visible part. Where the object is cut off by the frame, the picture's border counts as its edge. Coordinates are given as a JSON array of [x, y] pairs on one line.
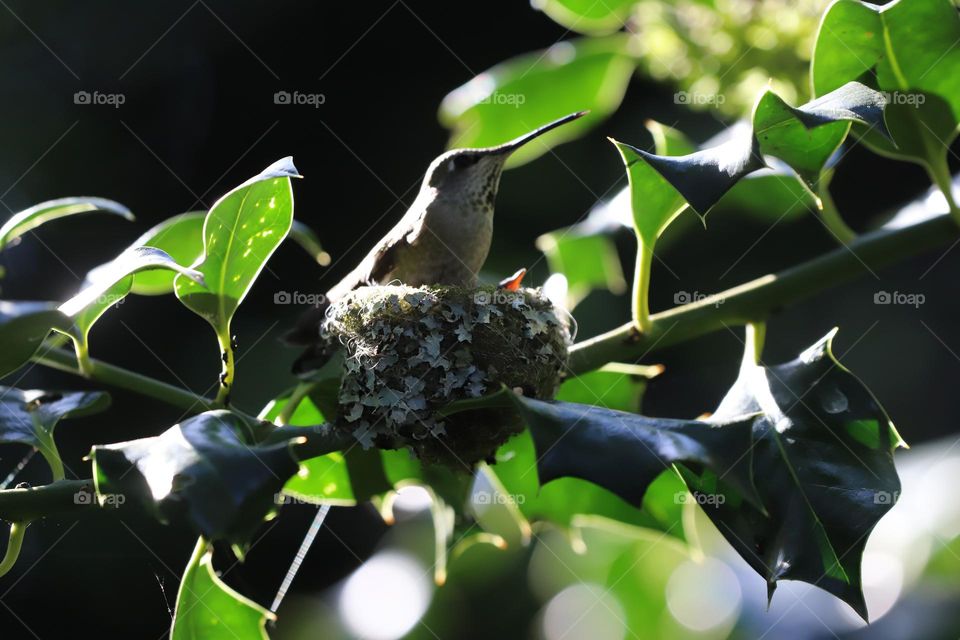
[[511, 98], [30, 417], [29, 219], [206, 469], [804, 137], [240, 233], [625, 452], [180, 236], [823, 457], [208, 608], [23, 328], [908, 49], [109, 285]]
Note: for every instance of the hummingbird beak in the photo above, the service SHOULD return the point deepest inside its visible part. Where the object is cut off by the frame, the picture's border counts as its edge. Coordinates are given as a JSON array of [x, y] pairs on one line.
[[507, 148]]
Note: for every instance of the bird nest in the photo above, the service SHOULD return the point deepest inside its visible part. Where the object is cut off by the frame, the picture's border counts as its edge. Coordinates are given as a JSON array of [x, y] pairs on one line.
[[413, 350]]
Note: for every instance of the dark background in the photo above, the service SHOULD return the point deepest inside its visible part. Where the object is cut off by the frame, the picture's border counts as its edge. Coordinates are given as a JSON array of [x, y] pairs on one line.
[[199, 118]]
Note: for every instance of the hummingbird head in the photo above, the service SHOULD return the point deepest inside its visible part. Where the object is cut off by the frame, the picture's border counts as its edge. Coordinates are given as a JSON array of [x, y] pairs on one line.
[[475, 173]]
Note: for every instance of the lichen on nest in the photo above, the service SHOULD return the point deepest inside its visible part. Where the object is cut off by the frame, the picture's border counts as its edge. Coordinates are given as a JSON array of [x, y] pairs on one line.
[[413, 350]]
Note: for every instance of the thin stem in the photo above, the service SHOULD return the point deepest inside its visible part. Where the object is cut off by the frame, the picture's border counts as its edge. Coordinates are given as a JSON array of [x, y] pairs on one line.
[[227, 370], [64, 360], [641, 286], [14, 544], [83, 357], [832, 219], [753, 347], [759, 298], [299, 393]]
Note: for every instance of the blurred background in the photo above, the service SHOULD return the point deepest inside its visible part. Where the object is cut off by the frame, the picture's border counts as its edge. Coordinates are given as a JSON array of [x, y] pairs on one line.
[[195, 112]]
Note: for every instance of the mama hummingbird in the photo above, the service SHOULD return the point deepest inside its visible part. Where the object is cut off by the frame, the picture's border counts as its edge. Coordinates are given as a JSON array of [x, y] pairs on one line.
[[443, 238]]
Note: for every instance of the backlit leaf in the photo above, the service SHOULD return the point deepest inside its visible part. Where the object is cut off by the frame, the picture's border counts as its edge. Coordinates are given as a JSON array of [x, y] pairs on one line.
[[29, 219], [23, 328]]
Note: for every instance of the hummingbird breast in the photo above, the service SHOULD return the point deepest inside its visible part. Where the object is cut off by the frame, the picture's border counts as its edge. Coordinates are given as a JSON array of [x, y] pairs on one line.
[[452, 246]]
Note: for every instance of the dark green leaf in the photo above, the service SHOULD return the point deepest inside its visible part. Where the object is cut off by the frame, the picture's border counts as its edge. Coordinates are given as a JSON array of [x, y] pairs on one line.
[[624, 452], [31, 218], [205, 468], [29, 417], [823, 460], [207, 608], [517, 95], [241, 232], [23, 328]]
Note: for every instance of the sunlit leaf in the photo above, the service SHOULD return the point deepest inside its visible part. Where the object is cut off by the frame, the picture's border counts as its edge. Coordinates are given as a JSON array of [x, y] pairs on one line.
[[587, 16], [29, 417], [823, 461], [807, 136], [28, 219], [240, 233], [206, 469], [111, 283], [587, 261], [180, 236], [908, 48], [515, 96], [23, 328], [208, 608]]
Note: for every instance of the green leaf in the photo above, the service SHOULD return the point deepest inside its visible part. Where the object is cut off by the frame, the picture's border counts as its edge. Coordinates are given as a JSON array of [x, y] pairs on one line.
[[907, 47], [208, 608], [180, 236], [23, 328], [206, 468], [309, 242], [240, 233], [805, 137], [38, 214], [108, 285], [823, 459], [324, 479], [624, 452], [587, 16], [29, 417], [513, 97]]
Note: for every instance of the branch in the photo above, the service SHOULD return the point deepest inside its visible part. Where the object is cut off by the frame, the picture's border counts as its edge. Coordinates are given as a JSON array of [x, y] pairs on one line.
[[63, 497], [125, 379], [755, 300]]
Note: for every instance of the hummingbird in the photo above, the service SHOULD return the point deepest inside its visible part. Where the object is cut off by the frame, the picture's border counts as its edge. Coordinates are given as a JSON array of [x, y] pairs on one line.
[[443, 238]]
